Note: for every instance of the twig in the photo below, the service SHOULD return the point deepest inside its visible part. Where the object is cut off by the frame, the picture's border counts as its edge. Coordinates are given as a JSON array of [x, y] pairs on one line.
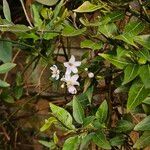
[[144, 9], [25, 12], [5, 133]]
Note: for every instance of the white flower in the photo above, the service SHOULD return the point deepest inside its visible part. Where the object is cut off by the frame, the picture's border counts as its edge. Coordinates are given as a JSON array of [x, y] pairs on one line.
[[55, 72], [71, 81], [72, 90], [72, 65], [90, 74]]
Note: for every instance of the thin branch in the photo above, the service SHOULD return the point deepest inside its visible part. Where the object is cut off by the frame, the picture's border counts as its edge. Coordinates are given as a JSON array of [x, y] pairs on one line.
[[25, 12]]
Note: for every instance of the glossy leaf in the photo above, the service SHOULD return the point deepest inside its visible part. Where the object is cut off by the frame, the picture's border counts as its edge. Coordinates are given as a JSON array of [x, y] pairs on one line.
[[134, 28], [6, 67], [88, 120], [130, 73], [7, 98], [102, 112], [6, 10], [18, 92], [124, 126], [144, 72], [71, 143], [131, 30], [48, 123], [36, 16], [78, 112], [89, 93], [50, 145], [50, 36], [144, 125], [15, 28], [5, 51], [143, 141], [117, 140], [47, 2], [143, 54], [88, 7], [100, 140], [143, 40], [137, 94], [85, 141], [4, 84], [90, 44], [108, 29], [62, 115], [115, 61], [126, 38], [71, 31]]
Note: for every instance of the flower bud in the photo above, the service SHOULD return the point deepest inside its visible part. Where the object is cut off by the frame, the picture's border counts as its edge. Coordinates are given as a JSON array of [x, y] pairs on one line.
[[90, 74]]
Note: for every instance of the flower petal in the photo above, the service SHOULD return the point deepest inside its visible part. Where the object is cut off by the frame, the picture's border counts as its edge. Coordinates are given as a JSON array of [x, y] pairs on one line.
[[66, 64], [75, 77], [72, 59], [68, 71], [77, 63], [72, 90], [74, 69]]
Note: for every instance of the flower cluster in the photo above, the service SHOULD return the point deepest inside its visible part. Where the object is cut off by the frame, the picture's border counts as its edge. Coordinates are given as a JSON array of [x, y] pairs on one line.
[[70, 78]]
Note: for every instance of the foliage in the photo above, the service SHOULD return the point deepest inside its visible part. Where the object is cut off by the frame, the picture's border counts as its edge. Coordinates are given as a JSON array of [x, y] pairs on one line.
[[113, 74]]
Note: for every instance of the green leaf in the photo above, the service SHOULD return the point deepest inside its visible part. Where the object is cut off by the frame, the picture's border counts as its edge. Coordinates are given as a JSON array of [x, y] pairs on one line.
[[15, 28], [143, 141], [47, 2], [115, 61], [36, 16], [137, 94], [102, 112], [50, 36], [117, 140], [6, 10], [144, 54], [50, 145], [100, 140], [48, 123], [121, 52], [131, 30], [144, 125], [108, 29], [62, 115], [7, 98], [143, 40], [90, 44], [130, 73], [71, 143], [144, 72], [85, 141], [5, 51], [89, 93], [88, 7], [6, 67], [18, 91], [114, 16], [147, 100], [4, 84], [78, 112], [71, 31], [128, 38], [134, 28], [88, 120], [124, 126]]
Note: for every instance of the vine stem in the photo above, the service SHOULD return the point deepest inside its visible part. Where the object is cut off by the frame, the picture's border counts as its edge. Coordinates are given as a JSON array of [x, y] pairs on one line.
[[25, 12]]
